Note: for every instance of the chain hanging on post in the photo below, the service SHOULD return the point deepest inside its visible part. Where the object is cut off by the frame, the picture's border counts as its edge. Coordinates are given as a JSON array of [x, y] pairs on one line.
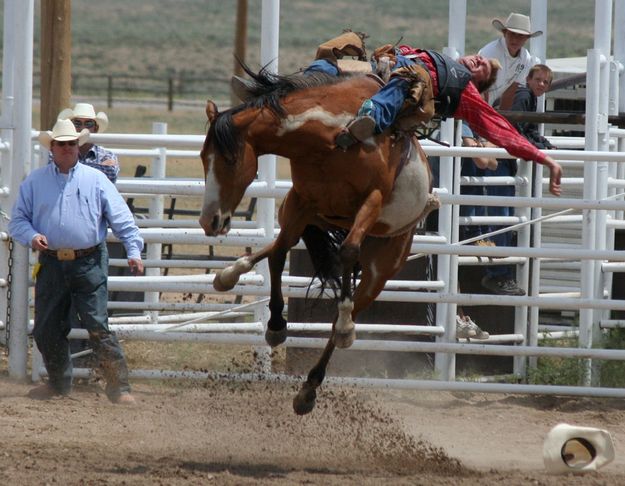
[[9, 283]]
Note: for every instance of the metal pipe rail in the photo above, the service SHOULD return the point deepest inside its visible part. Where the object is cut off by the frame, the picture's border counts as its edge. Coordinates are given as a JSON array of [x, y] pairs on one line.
[[374, 383]]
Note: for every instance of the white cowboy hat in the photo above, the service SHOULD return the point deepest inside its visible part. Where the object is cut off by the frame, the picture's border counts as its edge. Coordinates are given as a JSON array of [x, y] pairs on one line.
[[85, 110], [573, 449], [517, 23], [63, 131]]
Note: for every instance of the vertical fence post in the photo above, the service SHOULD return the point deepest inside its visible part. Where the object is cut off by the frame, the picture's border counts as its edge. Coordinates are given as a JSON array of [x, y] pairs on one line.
[[270, 29], [170, 94], [154, 250], [23, 15]]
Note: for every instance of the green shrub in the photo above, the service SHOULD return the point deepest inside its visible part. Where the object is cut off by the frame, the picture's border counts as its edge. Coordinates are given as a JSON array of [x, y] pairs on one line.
[[613, 371]]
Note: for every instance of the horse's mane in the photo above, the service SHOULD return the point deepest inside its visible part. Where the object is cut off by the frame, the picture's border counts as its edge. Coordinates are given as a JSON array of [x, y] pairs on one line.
[[266, 90]]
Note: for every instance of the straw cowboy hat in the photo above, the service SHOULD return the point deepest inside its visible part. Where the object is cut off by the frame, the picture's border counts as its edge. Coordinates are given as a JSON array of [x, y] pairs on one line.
[[85, 110], [517, 23], [63, 131]]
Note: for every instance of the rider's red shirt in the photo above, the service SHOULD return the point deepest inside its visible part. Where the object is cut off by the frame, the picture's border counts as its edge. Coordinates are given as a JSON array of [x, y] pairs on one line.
[[484, 120]]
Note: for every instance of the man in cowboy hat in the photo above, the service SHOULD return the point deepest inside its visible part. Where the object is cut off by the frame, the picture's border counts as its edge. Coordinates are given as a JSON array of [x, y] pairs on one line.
[[516, 62], [515, 59], [84, 116], [63, 210]]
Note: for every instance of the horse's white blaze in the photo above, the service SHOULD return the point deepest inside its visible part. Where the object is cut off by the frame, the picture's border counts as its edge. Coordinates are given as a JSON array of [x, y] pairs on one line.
[[410, 194], [211, 189], [294, 122]]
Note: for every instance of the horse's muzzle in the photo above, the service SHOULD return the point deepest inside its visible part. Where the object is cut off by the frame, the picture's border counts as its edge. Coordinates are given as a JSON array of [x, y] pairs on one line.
[[217, 225]]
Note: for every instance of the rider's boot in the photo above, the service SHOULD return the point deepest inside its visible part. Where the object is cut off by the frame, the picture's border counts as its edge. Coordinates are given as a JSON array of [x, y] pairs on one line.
[[359, 129], [347, 44]]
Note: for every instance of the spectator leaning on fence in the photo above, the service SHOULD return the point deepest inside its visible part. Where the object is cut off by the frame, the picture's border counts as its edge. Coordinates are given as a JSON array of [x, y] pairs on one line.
[[526, 99], [63, 210], [84, 116]]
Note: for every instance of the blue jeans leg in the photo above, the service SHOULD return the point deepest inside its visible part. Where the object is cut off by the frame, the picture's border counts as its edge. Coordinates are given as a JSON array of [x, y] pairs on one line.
[[388, 103], [90, 297], [52, 305], [323, 66], [504, 168]]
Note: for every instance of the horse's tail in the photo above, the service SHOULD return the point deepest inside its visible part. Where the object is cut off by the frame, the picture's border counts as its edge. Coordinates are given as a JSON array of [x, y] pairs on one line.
[[323, 248]]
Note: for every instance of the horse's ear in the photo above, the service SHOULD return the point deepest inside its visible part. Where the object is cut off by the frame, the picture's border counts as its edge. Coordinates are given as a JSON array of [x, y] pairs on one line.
[[211, 111], [241, 88]]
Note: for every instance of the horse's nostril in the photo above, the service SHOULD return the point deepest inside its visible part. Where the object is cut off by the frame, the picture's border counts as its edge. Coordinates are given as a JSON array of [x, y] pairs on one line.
[[215, 223], [227, 222]]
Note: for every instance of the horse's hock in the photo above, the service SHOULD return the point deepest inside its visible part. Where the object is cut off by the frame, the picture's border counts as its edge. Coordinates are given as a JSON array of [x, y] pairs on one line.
[[347, 362]]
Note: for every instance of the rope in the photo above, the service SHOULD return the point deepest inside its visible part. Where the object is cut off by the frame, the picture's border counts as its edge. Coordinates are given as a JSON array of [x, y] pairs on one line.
[[513, 227], [214, 316]]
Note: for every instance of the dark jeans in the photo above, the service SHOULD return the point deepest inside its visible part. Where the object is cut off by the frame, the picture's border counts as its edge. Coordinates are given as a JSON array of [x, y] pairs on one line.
[[78, 345], [506, 167], [469, 169], [78, 286]]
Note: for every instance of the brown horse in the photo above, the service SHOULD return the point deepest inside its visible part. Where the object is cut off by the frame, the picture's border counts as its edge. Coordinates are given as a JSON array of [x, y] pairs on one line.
[[375, 192]]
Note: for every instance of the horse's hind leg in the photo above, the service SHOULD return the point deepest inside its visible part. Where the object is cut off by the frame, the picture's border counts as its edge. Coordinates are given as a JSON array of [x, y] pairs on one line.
[[381, 258], [304, 401], [344, 330]]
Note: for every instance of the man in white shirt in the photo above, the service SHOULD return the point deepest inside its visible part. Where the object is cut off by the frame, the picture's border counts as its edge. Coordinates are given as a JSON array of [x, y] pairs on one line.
[[515, 59], [515, 62]]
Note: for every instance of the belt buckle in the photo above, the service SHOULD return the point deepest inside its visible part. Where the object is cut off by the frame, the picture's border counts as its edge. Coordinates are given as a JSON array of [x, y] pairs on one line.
[[65, 254]]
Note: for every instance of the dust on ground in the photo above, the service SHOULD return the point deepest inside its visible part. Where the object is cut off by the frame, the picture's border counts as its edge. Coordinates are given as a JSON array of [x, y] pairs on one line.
[[218, 432]]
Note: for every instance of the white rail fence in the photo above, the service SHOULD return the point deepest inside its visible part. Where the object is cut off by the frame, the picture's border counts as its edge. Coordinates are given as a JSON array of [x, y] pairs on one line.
[[204, 322], [598, 204]]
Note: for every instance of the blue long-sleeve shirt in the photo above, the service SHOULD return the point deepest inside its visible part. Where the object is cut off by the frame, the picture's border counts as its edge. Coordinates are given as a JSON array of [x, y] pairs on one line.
[[72, 210]]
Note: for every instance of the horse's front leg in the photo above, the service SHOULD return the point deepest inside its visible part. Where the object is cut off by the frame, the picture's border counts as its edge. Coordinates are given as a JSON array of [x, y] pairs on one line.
[[293, 217], [229, 276], [367, 215], [276, 326], [276, 253]]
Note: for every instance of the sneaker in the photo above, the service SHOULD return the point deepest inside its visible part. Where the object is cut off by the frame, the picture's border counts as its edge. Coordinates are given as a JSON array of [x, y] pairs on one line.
[[467, 329], [502, 285]]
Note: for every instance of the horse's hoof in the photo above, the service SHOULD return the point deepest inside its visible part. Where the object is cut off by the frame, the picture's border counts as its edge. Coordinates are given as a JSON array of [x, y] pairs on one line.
[[275, 338], [219, 285], [304, 401], [344, 340]]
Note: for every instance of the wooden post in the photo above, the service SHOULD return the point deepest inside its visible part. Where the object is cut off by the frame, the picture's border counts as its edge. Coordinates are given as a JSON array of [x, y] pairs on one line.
[[240, 43], [56, 60], [170, 94], [109, 92]]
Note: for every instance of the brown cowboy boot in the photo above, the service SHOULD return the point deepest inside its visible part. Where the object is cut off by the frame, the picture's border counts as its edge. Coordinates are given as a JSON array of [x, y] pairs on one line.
[[358, 130], [347, 44]]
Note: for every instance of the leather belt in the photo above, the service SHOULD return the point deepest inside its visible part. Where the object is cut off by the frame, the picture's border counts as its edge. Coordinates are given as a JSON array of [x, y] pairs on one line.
[[65, 254]]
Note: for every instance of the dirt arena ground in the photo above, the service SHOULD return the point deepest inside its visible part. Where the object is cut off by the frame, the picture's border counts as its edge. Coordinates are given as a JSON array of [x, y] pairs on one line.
[[187, 433]]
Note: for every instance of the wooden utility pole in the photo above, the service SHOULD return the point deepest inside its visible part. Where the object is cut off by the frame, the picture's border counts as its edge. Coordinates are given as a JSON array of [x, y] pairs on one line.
[[240, 43], [56, 59]]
